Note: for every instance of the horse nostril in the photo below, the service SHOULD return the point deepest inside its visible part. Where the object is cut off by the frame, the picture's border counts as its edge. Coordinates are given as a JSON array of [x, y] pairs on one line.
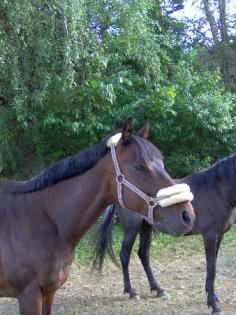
[[186, 217]]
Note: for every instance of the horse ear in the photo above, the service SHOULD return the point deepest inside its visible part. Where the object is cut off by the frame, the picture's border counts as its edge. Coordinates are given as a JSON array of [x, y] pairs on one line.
[[127, 130], [144, 131]]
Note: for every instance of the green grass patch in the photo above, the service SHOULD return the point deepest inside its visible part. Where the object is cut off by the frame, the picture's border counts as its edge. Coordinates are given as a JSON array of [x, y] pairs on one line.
[[160, 244], [229, 240]]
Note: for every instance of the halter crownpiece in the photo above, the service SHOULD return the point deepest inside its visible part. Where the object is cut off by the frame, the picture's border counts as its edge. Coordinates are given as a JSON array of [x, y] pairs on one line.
[[165, 197]]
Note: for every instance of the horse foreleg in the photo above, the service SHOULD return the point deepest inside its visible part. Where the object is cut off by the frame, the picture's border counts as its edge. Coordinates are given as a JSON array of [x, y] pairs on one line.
[[47, 303], [126, 248], [210, 243], [219, 240], [143, 252], [30, 301]]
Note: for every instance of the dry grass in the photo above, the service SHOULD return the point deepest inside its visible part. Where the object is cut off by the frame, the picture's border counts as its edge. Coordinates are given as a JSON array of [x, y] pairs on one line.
[[179, 269]]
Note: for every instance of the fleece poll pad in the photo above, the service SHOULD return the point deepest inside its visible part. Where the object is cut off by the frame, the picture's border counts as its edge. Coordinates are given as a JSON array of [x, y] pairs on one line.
[[114, 140], [174, 194]]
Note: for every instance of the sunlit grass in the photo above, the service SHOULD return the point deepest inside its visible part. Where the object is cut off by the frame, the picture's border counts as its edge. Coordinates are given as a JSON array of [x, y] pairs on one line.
[[160, 243]]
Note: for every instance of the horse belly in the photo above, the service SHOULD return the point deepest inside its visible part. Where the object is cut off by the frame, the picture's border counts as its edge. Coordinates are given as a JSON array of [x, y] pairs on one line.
[[231, 220]]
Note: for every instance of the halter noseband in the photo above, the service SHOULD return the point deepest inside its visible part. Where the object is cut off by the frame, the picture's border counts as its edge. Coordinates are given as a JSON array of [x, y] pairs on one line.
[[165, 196]]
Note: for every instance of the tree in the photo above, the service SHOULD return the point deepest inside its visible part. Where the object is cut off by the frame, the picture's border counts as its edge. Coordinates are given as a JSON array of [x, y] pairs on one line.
[[71, 71], [215, 31]]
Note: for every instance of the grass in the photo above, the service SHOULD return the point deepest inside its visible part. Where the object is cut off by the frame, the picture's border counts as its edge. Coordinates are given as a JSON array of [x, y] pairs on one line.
[[178, 265], [160, 244]]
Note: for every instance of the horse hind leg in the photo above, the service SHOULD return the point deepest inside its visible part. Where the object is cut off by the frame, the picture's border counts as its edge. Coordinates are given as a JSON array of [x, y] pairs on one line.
[[144, 255]]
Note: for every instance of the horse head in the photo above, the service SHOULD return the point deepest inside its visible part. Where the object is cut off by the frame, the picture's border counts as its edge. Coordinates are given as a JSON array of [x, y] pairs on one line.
[[140, 182]]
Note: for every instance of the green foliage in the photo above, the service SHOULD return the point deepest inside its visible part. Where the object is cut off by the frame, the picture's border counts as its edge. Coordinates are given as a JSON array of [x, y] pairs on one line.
[[72, 71], [202, 128]]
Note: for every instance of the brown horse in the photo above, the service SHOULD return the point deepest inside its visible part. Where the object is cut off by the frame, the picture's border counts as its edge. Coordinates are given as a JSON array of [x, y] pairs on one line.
[[214, 205], [43, 219]]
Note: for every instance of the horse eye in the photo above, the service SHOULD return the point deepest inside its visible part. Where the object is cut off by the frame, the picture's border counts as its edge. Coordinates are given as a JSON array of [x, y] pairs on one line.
[[140, 168]]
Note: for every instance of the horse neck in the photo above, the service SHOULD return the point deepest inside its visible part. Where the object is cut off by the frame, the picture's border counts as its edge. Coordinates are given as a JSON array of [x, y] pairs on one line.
[[228, 191], [75, 204], [225, 189]]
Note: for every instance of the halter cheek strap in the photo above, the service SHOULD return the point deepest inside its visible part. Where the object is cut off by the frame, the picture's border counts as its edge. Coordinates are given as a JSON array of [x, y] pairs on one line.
[[165, 197], [152, 202]]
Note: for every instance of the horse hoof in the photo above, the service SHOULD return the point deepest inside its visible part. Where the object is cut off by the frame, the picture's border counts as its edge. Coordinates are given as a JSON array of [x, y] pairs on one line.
[[136, 297], [161, 294], [216, 298]]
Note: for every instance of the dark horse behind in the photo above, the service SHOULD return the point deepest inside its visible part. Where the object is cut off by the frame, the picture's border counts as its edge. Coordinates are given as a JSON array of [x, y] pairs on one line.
[[214, 204], [43, 219]]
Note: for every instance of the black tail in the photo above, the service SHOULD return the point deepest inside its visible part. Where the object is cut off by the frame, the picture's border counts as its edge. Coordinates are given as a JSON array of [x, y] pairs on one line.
[[102, 239]]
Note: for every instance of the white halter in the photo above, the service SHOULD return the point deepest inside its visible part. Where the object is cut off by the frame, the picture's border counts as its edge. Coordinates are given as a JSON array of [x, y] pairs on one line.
[[165, 197]]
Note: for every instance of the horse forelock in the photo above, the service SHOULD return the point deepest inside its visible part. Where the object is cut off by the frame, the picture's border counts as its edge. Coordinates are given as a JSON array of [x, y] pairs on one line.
[[146, 150]]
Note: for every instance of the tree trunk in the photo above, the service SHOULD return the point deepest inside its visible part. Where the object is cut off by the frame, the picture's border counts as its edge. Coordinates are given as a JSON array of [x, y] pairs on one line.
[[211, 20], [222, 21]]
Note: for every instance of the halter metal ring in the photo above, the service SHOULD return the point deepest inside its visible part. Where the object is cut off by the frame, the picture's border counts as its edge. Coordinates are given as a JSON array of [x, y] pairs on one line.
[[151, 202], [120, 178]]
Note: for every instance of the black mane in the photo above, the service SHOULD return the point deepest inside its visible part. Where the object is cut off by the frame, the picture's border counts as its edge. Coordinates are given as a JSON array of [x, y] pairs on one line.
[[224, 169], [63, 169], [75, 165]]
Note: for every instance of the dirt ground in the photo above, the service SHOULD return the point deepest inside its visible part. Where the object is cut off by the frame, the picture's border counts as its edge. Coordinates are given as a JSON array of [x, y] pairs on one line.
[[180, 274]]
